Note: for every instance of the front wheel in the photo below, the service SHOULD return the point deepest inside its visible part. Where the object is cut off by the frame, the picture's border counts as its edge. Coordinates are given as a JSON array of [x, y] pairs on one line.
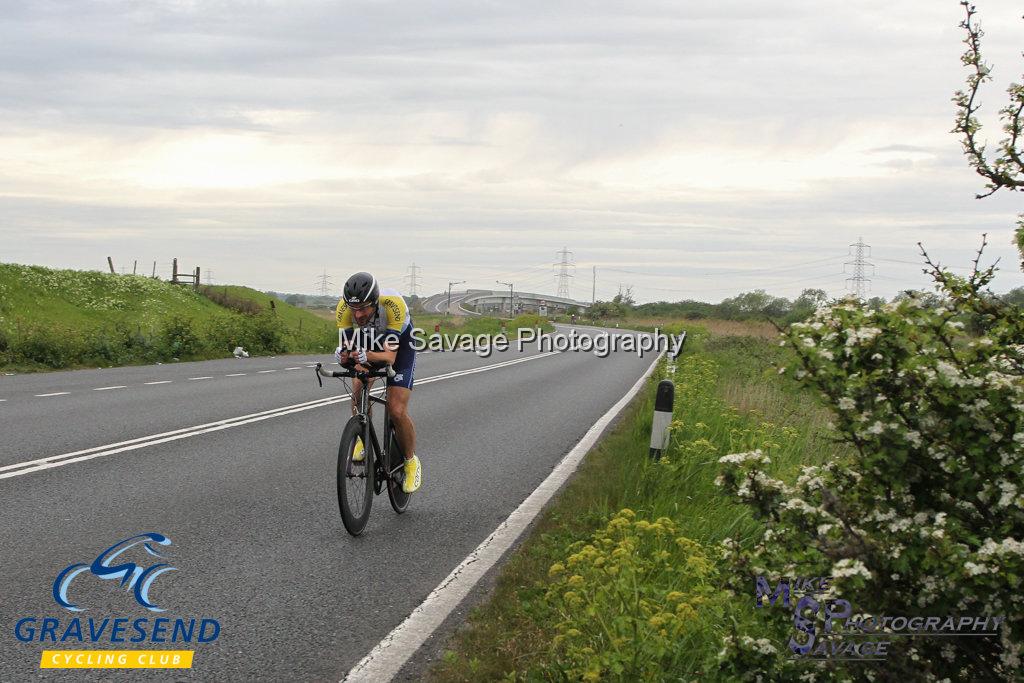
[[396, 473], [355, 479]]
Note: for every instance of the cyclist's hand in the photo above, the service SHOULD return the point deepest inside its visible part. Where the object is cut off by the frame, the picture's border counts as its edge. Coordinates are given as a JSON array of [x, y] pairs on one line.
[[360, 356], [341, 355]]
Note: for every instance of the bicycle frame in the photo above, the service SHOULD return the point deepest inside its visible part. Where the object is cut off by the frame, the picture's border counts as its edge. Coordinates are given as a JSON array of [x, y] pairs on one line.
[[370, 440], [365, 403]]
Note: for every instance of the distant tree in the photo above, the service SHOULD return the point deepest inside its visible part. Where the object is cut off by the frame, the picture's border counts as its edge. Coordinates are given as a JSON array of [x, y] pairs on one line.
[[625, 298], [1006, 168], [928, 299], [1014, 297], [804, 305], [875, 303], [608, 309], [753, 304], [295, 299], [811, 298], [689, 309]]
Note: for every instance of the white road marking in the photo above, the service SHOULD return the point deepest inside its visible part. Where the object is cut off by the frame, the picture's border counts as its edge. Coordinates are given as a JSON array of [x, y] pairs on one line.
[[386, 659], [236, 374], [190, 379], [263, 372], [18, 469], [163, 381], [293, 368], [56, 393], [119, 386]]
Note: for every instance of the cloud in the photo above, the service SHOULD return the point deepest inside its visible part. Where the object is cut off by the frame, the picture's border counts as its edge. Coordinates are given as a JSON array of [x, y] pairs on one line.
[[676, 141]]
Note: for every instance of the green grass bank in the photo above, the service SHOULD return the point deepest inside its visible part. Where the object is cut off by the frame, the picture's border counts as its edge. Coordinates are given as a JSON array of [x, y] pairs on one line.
[[53, 319], [61, 319]]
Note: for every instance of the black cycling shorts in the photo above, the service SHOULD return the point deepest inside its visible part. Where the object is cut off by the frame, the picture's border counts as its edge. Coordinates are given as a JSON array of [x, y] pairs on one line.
[[405, 361]]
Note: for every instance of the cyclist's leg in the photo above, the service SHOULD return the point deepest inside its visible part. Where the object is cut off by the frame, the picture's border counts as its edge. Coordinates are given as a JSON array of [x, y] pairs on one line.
[[399, 392], [357, 388], [398, 411]]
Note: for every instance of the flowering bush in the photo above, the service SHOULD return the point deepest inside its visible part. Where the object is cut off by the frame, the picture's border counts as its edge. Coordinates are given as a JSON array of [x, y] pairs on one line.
[[630, 601], [180, 338], [928, 517]]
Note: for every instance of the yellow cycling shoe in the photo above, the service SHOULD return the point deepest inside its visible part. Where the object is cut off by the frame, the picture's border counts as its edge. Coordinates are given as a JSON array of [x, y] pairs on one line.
[[413, 475], [357, 452]]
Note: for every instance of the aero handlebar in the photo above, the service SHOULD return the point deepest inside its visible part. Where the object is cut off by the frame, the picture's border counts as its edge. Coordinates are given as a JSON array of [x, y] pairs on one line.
[[386, 371]]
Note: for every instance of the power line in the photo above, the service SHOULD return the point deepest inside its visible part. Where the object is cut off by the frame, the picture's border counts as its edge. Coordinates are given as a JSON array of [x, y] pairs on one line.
[[859, 283], [918, 263], [564, 265], [413, 278], [539, 266], [790, 266], [323, 283], [535, 280], [733, 287]]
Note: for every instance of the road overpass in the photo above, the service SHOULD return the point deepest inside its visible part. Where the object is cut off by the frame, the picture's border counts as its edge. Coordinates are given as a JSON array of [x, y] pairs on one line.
[[496, 302]]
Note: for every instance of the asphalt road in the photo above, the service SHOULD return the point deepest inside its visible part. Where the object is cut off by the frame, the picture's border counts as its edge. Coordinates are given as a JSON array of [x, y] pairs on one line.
[[248, 499], [438, 303]]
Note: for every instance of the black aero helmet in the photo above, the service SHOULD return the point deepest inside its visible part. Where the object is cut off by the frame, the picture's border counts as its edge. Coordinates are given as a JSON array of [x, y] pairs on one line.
[[361, 289]]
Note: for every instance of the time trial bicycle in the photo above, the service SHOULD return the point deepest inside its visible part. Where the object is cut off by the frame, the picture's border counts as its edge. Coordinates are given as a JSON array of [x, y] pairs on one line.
[[381, 467]]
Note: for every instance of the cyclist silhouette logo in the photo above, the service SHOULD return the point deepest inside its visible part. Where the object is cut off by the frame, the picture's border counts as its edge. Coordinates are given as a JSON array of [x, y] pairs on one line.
[[136, 578]]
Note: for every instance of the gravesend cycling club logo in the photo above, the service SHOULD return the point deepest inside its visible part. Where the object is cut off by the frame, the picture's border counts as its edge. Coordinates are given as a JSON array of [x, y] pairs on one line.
[[135, 578], [130, 567]]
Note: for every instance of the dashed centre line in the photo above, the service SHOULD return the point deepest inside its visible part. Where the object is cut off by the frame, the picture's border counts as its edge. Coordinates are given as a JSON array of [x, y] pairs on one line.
[[22, 468], [190, 379]]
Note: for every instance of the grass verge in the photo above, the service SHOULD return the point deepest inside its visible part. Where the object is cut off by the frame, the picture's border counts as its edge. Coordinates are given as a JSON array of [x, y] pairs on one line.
[[619, 578]]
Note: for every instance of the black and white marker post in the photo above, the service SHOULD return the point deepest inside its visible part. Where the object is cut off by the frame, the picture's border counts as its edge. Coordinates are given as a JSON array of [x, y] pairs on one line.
[[671, 365], [662, 417], [663, 402]]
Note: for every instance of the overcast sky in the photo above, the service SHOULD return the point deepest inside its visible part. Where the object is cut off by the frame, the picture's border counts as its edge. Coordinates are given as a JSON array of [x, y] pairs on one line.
[[691, 150]]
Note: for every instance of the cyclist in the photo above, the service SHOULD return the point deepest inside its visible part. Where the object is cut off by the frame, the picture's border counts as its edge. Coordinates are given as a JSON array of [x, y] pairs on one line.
[[374, 326]]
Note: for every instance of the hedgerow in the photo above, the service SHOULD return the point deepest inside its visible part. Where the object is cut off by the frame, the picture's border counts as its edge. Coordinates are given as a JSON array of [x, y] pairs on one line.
[[927, 518]]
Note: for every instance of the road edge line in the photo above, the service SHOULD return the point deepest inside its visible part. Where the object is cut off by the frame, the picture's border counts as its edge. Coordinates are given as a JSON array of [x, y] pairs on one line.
[[388, 657]]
